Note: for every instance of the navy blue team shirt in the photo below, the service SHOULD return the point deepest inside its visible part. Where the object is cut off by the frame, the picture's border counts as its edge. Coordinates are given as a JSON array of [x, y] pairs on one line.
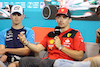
[[9, 37]]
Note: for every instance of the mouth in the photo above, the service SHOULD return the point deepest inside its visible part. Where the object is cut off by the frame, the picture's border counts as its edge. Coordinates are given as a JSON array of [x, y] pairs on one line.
[[16, 20], [60, 23]]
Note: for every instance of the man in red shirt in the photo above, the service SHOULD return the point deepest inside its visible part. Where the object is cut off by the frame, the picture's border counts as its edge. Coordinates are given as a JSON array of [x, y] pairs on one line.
[[68, 45]]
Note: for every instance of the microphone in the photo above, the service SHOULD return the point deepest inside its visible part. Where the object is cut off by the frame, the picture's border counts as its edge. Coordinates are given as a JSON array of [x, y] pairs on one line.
[[57, 31]]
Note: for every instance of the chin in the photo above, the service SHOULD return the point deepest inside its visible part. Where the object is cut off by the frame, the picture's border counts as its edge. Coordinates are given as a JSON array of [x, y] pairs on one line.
[[61, 27], [16, 24]]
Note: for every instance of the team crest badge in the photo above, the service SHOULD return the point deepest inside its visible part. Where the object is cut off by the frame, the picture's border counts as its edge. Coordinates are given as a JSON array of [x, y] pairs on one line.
[[69, 34], [62, 10]]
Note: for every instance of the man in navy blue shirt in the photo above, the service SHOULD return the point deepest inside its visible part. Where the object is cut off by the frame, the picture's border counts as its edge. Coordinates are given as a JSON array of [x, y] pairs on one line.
[[10, 45]]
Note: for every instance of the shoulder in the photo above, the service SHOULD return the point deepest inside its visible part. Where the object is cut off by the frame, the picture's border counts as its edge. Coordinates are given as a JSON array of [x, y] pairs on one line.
[[75, 31], [51, 34], [28, 29], [72, 33], [77, 34]]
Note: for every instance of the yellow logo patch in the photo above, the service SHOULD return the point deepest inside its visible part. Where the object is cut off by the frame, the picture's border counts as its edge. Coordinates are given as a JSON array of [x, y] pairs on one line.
[[69, 34], [50, 48], [52, 41], [62, 10]]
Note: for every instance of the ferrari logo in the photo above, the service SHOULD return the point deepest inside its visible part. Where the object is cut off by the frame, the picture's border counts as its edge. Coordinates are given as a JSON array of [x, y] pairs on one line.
[[62, 10], [69, 34]]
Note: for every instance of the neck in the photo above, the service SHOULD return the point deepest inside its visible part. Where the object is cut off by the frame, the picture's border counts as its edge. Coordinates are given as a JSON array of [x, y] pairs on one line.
[[17, 26], [63, 29]]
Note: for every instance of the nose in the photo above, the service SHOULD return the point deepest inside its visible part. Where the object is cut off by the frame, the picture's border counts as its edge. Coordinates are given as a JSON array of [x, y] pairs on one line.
[[61, 18], [16, 16]]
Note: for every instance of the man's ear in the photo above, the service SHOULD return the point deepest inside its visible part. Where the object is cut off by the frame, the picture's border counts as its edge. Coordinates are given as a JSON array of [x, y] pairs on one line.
[[23, 16], [70, 19]]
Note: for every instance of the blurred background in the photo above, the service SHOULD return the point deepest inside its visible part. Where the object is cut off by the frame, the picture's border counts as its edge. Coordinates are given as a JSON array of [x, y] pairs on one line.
[[37, 14]]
